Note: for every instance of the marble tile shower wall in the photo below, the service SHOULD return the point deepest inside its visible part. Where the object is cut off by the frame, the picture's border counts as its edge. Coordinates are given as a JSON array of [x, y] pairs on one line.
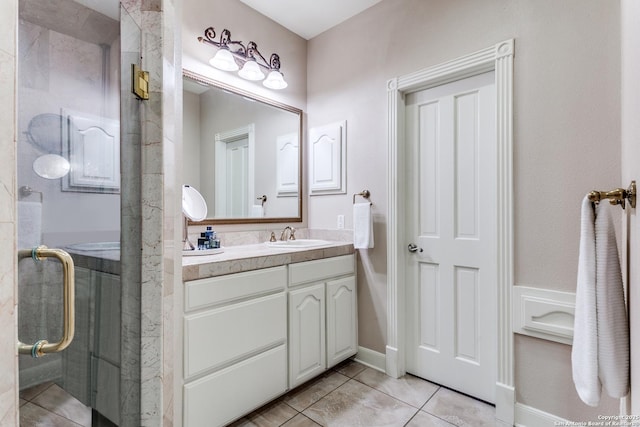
[[158, 207], [8, 264]]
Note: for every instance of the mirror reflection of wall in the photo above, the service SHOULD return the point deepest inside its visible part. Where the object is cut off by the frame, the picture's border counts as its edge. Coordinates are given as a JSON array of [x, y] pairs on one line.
[[233, 153]]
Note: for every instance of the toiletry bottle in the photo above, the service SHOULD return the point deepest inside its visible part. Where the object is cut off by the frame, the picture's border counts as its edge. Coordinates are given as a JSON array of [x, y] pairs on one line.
[[210, 235]]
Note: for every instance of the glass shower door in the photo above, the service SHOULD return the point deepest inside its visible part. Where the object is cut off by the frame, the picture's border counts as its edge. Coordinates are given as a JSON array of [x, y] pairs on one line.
[[69, 90]]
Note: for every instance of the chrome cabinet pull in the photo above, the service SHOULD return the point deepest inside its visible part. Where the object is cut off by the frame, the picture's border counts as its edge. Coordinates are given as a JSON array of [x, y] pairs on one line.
[[42, 347]]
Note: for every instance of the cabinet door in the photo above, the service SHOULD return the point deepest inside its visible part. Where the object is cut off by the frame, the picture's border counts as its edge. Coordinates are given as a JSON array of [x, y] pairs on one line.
[[342, 331], [306, 333]]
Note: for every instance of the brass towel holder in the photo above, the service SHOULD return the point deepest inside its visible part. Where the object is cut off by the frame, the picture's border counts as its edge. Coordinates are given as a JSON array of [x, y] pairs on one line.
[[616, 196]]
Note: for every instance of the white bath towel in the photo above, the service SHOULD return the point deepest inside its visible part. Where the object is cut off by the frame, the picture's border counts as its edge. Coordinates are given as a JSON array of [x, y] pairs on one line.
[[584, 353], [600, 353], [362, 226], [613, 325]]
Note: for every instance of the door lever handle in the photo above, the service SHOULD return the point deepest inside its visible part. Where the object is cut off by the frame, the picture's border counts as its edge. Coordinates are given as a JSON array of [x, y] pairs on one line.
[[412, 247]]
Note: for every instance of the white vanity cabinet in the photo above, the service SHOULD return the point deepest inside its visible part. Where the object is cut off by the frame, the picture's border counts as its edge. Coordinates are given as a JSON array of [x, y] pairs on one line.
[[322, 316], [250, 337], [235, 338]]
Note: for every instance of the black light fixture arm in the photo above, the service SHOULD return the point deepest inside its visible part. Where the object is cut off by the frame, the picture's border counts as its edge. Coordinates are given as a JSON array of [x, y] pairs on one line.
[[244, 53]]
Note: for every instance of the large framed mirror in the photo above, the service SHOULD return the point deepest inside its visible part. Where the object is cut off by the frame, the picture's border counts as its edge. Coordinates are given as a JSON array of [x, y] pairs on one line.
[[242, 152]]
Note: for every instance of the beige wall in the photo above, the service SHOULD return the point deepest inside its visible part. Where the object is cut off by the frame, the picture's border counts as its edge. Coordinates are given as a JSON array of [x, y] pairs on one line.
[[566, 133], [191, 139]]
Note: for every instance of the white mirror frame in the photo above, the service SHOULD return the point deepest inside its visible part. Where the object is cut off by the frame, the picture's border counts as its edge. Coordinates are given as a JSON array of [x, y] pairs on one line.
[[498, 58]]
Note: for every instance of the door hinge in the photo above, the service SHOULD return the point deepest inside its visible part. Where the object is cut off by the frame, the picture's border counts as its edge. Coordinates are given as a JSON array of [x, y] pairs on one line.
[[139, 82]]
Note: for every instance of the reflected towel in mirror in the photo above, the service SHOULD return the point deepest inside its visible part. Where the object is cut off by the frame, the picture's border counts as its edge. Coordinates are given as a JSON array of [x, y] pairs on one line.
[[257, 211]]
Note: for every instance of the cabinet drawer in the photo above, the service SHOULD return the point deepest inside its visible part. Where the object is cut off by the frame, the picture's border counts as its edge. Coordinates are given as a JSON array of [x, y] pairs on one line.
[[220, 398], [314, 271], [217, 290], [221, 336]]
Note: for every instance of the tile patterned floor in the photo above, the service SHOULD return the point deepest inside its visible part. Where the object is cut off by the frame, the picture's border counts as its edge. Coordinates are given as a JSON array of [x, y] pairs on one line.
[[49, 405], [354, 395], [349, 395]]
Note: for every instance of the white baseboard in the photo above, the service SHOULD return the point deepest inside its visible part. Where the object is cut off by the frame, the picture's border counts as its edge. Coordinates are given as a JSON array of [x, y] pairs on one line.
[[371, 358], [526, 416]]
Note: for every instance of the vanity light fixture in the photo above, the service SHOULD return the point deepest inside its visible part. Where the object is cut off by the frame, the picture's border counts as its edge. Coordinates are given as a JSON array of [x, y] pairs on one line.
[[232, 54]]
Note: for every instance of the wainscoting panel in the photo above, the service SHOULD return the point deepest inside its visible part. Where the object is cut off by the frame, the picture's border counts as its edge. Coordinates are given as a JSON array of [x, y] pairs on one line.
[[543, 313]]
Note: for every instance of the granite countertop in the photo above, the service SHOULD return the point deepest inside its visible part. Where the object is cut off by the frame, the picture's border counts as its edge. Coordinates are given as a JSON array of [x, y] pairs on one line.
[[105, 261], [234, 259], [240, 258]]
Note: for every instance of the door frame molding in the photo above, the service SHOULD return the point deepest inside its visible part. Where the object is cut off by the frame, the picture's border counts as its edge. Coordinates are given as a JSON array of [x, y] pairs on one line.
[[221, 139], [497, 58]]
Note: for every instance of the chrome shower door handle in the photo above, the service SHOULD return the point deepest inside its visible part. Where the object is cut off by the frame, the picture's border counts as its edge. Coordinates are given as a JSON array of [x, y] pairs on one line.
[[412, 247], [42, 347]]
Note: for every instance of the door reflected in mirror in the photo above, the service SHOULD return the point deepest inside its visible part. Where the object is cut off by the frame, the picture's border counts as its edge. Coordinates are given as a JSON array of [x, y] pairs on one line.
[[239, 147]]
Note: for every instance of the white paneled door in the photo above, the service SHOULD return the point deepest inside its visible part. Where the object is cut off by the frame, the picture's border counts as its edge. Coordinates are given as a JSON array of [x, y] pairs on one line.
[[451, 217]]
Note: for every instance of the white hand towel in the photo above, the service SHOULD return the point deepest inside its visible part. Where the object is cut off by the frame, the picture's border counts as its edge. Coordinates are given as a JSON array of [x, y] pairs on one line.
[[29, 224], [362, 226], [613, 326], [584, 354], [257, 211]]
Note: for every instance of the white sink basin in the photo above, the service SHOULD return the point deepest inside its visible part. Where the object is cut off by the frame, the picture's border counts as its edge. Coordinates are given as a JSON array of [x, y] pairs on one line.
[[298, 243]]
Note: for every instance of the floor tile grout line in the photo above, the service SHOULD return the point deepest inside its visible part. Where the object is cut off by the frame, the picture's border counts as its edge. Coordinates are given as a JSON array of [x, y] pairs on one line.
[[396, 398], [412, 417], [324, 395], [40, 392], [55, 413]]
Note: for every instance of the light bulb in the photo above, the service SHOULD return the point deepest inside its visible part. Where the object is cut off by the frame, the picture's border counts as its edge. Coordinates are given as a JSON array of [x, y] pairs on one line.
[[251, 71], [275, 80], [223, 60]]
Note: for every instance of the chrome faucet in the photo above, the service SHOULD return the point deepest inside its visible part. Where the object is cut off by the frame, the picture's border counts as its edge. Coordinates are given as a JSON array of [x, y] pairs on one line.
[[291, 235]]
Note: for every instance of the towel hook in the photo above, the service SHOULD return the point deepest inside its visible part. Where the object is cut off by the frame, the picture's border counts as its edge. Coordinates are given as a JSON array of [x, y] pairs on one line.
[[616, 196]]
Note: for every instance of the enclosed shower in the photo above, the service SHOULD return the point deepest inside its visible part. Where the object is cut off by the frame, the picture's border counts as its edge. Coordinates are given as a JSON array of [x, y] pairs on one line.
[[73, 89]]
